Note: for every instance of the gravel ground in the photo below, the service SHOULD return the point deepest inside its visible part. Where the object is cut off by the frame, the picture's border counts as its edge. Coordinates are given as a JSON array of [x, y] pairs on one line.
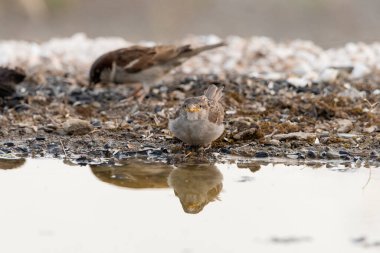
[[291, 100]]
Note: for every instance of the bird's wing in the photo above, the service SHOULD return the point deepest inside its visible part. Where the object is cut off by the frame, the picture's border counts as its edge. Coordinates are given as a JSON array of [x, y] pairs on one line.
[[160, 55], [216, 113], [134, 59], [214, 93], [123, 58]]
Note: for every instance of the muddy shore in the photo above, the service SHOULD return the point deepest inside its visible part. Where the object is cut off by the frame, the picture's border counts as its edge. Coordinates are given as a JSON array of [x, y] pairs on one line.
[[263, 119], [284, 100]]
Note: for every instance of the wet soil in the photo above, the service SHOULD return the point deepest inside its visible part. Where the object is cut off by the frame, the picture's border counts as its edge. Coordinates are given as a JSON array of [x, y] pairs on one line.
[[58, 115]]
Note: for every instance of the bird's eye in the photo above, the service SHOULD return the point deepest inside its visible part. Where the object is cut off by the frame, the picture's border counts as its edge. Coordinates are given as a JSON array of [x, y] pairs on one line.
[[200, 106]]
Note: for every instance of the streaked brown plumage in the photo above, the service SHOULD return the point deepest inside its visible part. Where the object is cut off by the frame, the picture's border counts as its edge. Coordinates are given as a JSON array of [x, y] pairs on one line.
[[139, 64], [199, 121]]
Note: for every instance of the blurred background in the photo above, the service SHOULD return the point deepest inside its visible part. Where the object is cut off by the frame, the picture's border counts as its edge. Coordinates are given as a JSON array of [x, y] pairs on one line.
[[329, 23]]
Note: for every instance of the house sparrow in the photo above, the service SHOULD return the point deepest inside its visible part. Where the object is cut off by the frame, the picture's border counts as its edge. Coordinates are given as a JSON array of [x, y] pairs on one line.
[[139, 64], [196, 185], [199, 121], [134, 173]]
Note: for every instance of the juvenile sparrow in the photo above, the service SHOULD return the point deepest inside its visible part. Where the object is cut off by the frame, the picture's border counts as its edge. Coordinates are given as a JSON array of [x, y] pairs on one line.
[[199, 121], [139, 64], [196, 185]]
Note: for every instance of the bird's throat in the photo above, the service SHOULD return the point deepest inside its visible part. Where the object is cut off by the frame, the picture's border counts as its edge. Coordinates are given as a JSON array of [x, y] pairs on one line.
[[192, 115]]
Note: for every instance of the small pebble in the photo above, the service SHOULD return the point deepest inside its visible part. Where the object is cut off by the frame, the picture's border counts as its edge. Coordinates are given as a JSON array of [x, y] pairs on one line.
[[311, 154], [77, 127], [22, 149], [225, 150], [6, 150], [9, 144], [297, 155], [298, 82], [373, 154], [40, 138], [82, 161], [345, 125], [345, 157], [96, 123], [110, 125], [21, 107], [49, 128], [178, 95], [261, 154], [344, 152], [370, 129], [331, 154]]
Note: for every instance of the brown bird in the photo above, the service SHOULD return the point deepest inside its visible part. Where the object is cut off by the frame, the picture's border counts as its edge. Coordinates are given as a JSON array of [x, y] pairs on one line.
[[199, 121], [196, 185], [138, 64]]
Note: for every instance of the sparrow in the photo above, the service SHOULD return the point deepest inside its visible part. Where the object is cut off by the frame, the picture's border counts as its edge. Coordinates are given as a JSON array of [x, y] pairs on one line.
[[8, 79], [134, 173], [138, 64], [199, 120], [196, 185]]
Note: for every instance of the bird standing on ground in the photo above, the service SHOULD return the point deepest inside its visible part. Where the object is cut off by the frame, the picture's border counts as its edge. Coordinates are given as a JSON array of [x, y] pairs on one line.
[[138, 64], [199, 121]]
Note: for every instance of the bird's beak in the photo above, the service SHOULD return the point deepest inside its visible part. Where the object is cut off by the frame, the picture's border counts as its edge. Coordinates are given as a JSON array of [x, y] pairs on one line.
[[193, 108]]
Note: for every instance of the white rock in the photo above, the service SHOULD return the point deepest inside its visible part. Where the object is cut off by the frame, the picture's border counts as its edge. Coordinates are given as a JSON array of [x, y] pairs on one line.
[[345, 125], [329, 75], [304, 59], [298, 82], [360, 70]]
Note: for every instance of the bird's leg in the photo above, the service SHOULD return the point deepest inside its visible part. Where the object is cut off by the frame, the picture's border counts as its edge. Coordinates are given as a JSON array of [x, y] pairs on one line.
[[140, 92], [146, 88], [205, 147], [136, 93], [113, 72], [143, 92], [137, 87]]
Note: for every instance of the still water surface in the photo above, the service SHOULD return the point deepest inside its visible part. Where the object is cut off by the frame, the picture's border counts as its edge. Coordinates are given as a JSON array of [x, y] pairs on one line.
[[48, 206]]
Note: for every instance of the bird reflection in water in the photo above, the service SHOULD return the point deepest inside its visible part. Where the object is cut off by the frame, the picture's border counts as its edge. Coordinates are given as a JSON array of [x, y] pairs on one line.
[[196, 185], [11, 163], [134, 174]]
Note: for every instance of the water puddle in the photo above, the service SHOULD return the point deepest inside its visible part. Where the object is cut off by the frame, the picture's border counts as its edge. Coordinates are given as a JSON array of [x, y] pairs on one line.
[[140, 206]]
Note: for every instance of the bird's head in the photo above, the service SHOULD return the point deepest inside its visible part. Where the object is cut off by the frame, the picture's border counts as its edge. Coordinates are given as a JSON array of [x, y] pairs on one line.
[[196, 108]]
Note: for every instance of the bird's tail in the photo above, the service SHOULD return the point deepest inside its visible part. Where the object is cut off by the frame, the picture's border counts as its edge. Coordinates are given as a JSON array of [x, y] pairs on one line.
[[187, 51], [208, 47], [214, 93]]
